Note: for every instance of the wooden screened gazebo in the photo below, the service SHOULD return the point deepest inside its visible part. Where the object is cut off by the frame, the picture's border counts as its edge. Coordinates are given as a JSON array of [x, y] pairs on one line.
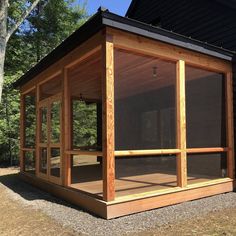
[[124, 117]]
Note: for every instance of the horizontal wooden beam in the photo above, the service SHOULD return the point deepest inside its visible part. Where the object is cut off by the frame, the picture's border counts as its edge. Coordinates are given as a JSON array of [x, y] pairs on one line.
[[79, 152], [25, 92], [78, 54], [140, 44], [170, 190], [71, 195], [168, 151], [122, 207], [206, 150], [146, 152], [28, 149]]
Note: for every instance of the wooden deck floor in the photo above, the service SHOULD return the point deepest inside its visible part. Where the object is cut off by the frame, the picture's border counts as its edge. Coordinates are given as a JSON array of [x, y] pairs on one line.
[[89, 179]]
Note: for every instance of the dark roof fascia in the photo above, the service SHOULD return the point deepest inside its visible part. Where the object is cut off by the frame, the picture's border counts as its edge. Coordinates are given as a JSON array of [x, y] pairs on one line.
[[160, 34], [105, 18], [87, 30]]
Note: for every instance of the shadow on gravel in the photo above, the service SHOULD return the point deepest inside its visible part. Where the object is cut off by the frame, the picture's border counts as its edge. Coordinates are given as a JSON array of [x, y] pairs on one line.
[[30, 193]]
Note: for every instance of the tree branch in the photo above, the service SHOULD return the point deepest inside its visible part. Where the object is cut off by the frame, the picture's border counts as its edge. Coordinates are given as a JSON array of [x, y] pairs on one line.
[[21, 20]]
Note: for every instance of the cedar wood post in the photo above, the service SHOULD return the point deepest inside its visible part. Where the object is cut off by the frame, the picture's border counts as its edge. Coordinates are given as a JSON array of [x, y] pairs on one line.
[[66, 130], [38, 131], [108, 118], [22, 135], [230, 125], [181, 125]]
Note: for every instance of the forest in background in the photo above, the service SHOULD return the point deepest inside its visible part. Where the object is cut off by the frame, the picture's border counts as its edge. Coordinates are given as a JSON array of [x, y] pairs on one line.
[[46, 27]]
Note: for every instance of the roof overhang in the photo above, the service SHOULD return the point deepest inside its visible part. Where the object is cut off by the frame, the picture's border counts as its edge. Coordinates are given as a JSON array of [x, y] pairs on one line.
[[104, 19]]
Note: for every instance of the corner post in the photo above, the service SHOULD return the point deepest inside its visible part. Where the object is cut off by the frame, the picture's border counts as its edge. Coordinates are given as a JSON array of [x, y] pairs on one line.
[[38, 130], [22, 128], [108, 143], [181, 125], [66, 131], [230, 125]]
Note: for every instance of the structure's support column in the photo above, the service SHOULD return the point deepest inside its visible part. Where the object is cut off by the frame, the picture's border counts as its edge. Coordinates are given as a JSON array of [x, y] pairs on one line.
[[181, 125], [230, 125], [108, 119], [38, 125], [22, 128], [66, 131]]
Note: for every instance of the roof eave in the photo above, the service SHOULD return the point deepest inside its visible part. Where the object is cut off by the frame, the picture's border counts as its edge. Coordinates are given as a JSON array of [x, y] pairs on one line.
[[91, 27], [106, 19]]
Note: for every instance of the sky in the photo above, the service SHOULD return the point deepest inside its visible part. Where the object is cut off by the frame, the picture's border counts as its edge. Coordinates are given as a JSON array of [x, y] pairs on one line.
[[116, 6]]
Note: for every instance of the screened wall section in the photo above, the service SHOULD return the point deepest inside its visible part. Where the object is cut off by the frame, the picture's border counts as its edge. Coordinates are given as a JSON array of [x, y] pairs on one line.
[[145, 119], [206, 123], [149, 143], [85, 91], [28, 118], [116, 122]]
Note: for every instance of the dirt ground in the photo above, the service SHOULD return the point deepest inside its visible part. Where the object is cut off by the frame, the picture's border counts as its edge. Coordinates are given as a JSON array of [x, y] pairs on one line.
[[218, 223], [17, 219]]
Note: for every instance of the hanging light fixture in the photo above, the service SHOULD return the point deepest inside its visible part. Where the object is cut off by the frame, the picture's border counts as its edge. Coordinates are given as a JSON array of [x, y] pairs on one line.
[[154, 71]]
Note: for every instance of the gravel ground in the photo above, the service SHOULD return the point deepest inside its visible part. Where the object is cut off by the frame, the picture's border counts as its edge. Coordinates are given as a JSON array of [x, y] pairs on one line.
[[84, 223]]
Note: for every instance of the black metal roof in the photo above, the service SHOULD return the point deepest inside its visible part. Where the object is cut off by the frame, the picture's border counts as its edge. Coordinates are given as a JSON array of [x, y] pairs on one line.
[[105, 18], [133, 5], [212, 21]]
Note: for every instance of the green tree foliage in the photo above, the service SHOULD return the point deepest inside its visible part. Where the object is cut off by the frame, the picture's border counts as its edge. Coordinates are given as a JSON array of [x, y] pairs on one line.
[[46, 27], [84, 125], [9, 122]]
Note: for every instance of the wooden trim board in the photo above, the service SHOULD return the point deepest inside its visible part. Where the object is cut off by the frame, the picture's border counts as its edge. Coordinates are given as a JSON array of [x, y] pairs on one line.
[[139, 205], [85, 201], [114, 209], [140, 44]]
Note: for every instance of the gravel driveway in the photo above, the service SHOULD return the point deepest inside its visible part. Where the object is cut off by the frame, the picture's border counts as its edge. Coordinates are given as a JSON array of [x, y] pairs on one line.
[[75, 221]]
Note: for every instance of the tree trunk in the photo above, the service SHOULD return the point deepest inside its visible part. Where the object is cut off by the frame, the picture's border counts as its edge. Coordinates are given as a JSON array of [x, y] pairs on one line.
[[3, 40], [6, 33]]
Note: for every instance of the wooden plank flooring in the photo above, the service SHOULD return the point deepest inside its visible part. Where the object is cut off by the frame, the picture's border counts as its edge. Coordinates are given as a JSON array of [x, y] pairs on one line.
[[89, 180]]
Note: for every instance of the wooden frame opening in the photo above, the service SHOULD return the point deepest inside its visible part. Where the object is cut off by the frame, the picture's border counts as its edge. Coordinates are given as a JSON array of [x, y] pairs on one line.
[[90, 162]]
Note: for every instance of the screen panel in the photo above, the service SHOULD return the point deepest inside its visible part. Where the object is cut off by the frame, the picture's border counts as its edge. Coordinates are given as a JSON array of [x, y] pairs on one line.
[[86, 103], [205, 108], [30, 120], [87, 125], [43, 113], [86, 174], [206, 166], [145, 102], [29, 162], [43, 162], [142, 174], [55, 162], [55, 122]]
